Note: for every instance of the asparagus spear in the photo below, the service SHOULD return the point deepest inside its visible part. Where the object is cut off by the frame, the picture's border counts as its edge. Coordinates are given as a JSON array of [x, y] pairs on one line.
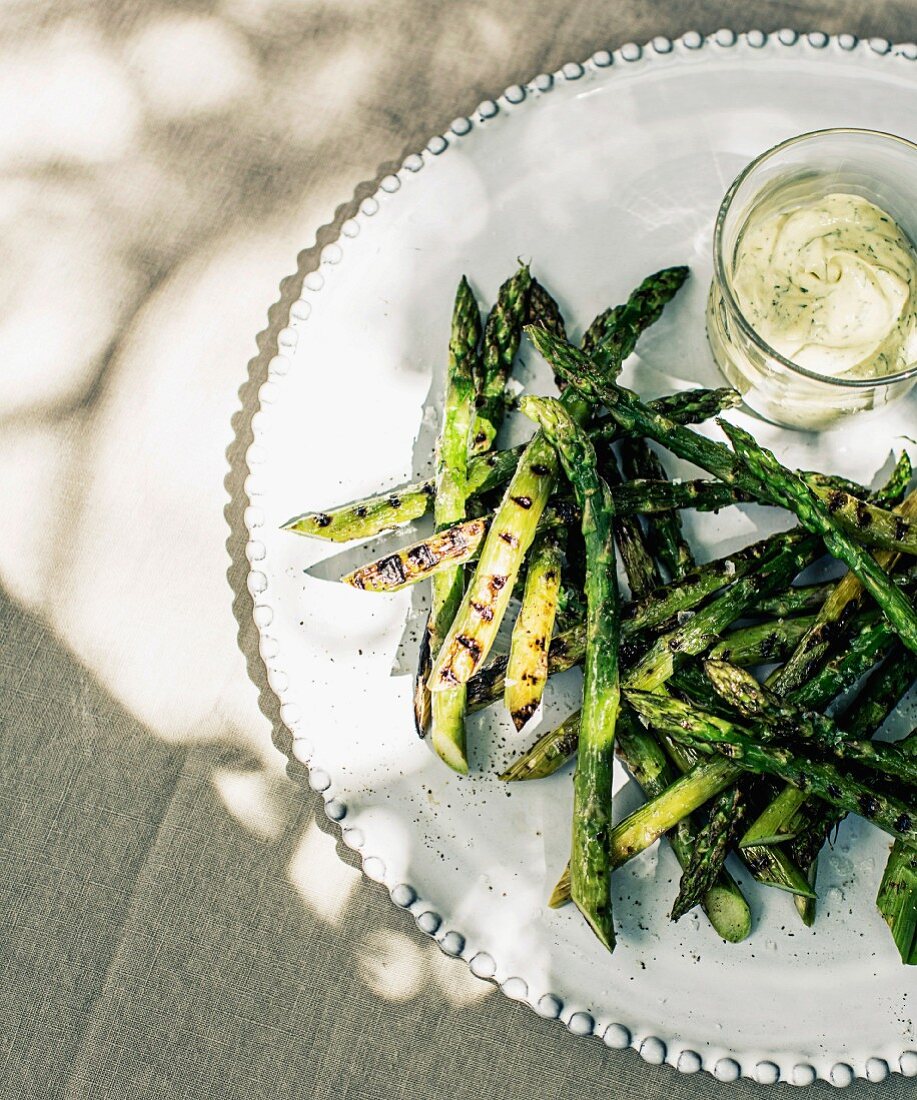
[[705, 626], [790, 490], [653, 819], [664, 529], [461, 543], [684, 722], [502, 334], [447, 717], [864, 650], [487, 686], [771, 640], [897, 898], [613, 335], [639, 567], [880, 693], [590, 863], [658, 499], [549, 753], [441, 551], [527, 669], [831, 622], [711, 847], [870, 524], [478, 620], [382, 512], [544, 311], [895, 487], [777, 719], [456, 545], [720, 896], [421, 703], [795, 600]]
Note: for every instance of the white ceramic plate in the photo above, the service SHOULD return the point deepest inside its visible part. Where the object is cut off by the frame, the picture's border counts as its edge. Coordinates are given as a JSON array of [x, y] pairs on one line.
[[600, 174]]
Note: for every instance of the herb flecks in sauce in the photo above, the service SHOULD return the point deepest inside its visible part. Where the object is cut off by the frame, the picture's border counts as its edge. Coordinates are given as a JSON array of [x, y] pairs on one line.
[[832, 286]]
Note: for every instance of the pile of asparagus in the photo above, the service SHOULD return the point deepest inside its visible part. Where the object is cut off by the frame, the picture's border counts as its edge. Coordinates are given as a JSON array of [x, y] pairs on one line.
[[727, 763]]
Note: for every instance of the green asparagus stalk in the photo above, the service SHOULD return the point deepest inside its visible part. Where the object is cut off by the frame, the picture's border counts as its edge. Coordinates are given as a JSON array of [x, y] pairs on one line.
[[878, 696], [772, 640], [895, 488], [639, 567], [502, 334], [830, 623], [769, 866], [439, 552], [775, 868], [704, 628], [790, 490], [544, 311], [549, 753], [871, 525], [659, 499], [863, 651], [711, 847], [655, 818], [382, 512], [777, 719], [897, 899], [456, 545], [590, 864], [461, 543], [778, 821], [447, 717], [421, 702], [723, 902], [721, 899], [664, 529], [819, 777], [795, 600], [478, 620], [527, 669], [613, 335]]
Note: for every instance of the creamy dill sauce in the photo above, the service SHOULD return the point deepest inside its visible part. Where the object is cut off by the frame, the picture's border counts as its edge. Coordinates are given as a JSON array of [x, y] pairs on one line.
[[832, 286]]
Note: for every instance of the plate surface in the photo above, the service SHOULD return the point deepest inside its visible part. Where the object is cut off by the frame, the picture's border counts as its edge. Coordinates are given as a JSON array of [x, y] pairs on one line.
[[600, 174]]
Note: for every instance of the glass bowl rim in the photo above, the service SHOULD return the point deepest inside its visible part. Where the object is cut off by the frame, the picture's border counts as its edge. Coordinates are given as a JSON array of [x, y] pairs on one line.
[[725, 283]]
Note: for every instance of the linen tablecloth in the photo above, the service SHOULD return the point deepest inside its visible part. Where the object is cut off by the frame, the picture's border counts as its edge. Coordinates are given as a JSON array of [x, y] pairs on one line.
[[177, 921]]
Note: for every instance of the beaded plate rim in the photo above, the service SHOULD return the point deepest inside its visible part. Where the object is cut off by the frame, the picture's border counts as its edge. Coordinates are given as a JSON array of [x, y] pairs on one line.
[[617, 1035]]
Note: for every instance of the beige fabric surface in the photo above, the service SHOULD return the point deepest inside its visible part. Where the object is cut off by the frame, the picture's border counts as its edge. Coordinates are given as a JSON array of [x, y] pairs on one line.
[[176, 921]]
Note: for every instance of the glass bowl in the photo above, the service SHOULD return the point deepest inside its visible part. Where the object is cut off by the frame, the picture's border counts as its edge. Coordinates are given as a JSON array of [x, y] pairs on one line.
[[876, 166]]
